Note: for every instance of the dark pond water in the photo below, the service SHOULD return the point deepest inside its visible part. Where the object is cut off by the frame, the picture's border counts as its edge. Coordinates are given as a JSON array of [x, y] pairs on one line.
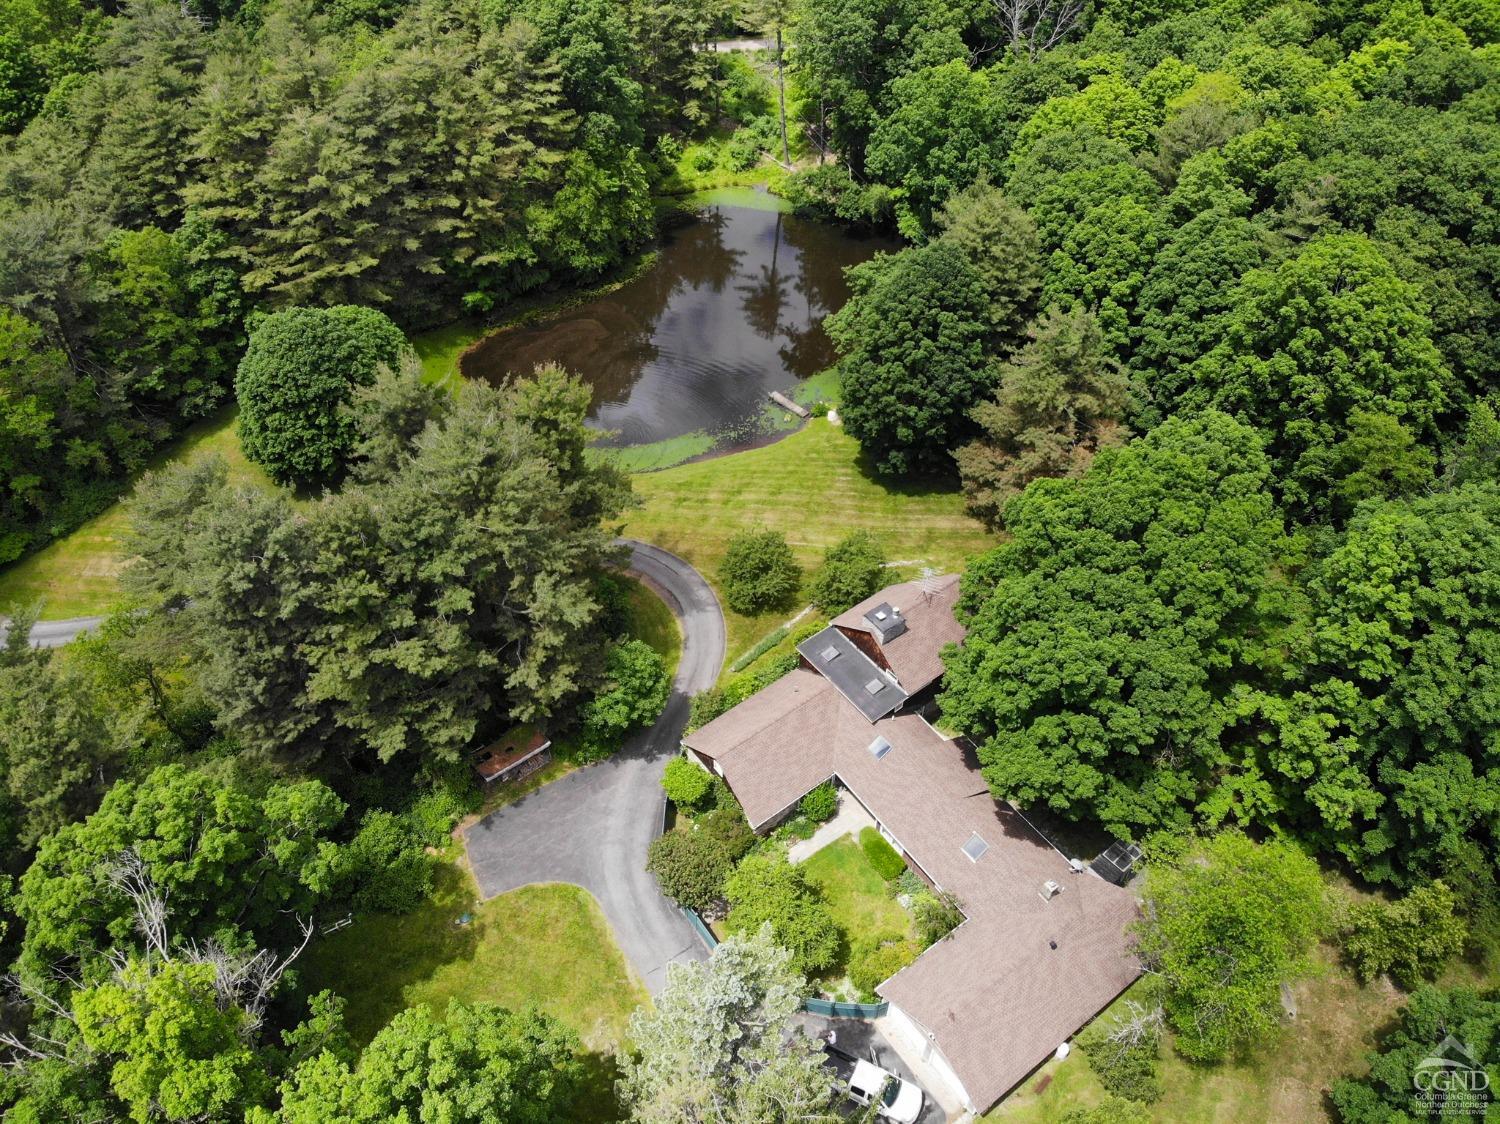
[[732, 309]]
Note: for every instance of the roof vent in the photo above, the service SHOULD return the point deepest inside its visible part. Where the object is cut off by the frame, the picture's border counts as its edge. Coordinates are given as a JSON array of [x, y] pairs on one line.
[[880, 614], [1050, 890], [975, 848], [879, 748], [829, 654], [874, 687]]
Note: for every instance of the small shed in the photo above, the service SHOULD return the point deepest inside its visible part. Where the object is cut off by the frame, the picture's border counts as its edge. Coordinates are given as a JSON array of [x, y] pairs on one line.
[[519, 753]]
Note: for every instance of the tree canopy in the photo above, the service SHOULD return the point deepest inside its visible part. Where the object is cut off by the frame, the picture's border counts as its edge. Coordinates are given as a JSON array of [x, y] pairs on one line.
[[1117, 621], [914, 334], [298, 375], [722, 1043], [1226, 925], [476, 1063], [404, 613]]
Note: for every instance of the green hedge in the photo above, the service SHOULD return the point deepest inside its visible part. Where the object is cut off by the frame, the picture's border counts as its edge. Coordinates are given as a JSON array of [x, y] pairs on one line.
[[821, 803], [887, 862], [767, 642]]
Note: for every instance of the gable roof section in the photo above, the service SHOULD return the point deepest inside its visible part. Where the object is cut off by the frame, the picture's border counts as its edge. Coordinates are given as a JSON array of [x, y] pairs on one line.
[[995, 996], [856, 676], [772, 747], [916, 655]]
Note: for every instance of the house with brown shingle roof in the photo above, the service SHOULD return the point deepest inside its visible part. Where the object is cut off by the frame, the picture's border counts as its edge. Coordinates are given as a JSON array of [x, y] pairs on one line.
[[1044, 944]]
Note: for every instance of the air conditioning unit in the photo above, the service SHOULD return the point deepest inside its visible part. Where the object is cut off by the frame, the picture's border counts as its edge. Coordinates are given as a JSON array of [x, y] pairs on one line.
[[1050, 890]]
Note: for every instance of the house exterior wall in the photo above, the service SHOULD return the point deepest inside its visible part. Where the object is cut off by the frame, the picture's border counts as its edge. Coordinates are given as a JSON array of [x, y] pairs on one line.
[[706, 764], [914, 1044], [866, 644]]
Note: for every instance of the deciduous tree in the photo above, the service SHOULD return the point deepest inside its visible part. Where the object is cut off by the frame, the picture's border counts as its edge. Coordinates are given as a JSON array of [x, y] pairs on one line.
[[766, 889], [1105, 638], [475, 1064], [1226, 925], [1427, 1023], [1305, 344], [759, 572], [223, 857], [853, 568], [721, 1044], [915, 337], [296, 379]]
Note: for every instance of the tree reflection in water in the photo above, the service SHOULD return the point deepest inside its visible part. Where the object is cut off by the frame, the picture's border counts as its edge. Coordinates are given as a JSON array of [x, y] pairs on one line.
[[732, 309]]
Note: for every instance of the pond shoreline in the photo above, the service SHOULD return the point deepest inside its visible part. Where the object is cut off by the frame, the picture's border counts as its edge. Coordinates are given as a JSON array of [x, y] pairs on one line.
[[530, 308], [681, 351]]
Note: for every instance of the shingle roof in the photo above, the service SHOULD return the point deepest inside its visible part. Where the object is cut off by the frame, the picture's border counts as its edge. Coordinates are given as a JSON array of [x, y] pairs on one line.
[[772, 747], [916, 655], [857, 677], [996, 997]]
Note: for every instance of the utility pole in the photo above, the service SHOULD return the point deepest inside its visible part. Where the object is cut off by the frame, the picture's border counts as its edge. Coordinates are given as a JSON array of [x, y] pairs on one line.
[[786, 150]]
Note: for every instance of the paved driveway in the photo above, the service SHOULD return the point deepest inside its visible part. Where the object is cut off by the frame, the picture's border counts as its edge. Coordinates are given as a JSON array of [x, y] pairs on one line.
[[864, 1040], [592, 827], [54, 634]]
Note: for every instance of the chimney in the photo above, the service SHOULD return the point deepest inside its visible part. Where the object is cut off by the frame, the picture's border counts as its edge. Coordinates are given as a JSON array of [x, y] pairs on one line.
[[886, 621]]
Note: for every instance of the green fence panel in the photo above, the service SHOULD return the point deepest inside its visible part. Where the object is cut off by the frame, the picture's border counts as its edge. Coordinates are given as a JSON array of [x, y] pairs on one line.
[[703, 930], [832, 1010]]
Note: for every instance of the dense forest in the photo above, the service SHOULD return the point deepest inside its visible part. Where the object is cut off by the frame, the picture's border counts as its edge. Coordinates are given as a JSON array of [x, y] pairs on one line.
[[1202, 308], [1198, 305], [200, 171]]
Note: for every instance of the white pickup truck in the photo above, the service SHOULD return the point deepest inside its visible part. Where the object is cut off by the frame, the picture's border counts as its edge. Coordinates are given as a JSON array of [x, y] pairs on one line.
[[865, 1082]]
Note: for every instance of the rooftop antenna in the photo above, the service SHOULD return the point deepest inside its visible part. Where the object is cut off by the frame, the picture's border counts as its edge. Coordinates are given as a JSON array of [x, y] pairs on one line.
[[927, 582]]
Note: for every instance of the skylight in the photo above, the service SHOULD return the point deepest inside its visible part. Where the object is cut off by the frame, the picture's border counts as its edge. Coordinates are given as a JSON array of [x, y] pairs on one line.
[[829, 653], [874, 687], [879, 748], [975, 848]]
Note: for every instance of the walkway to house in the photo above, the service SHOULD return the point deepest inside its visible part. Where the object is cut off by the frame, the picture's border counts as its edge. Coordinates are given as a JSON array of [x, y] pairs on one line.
[[592, 827], [850, 819]]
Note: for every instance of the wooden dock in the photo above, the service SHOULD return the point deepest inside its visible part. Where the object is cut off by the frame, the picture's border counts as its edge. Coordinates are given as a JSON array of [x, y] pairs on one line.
[[787, 404]]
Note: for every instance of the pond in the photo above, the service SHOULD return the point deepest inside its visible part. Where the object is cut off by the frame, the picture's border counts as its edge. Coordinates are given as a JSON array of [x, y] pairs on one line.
[[732, 309]]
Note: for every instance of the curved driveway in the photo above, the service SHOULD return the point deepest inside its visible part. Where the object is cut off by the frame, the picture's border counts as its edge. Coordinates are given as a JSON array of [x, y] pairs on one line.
[[54, 634], [592, 827]]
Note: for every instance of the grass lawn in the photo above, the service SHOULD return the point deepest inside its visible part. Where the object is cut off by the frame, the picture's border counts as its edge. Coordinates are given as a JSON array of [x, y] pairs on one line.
[[77, 575], [440, 348], [653, 622], [855, 892], [547, 945], [1339, 1021], [813, 487]]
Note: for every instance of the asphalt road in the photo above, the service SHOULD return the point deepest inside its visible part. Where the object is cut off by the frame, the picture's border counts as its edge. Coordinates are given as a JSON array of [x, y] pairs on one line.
[[54, 634], [592, 827]]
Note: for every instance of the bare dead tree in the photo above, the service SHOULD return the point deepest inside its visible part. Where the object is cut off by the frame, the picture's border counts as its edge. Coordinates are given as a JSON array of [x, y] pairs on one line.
[[243, 980], [17, 1052], [1034, 26], [247, 981], [130, 875], [1139, 1026]]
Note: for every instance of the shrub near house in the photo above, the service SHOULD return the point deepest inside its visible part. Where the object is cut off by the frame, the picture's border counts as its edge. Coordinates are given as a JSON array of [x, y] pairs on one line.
[[759, 573], [766, 888]]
